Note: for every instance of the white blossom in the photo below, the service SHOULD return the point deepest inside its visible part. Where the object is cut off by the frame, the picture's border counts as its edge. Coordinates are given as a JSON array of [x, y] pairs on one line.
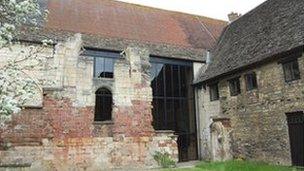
[[16, 87]]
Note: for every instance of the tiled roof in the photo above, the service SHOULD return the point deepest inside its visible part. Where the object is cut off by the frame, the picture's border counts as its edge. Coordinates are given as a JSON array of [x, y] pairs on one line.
[[111, 19], [114, 19], [272, 28]]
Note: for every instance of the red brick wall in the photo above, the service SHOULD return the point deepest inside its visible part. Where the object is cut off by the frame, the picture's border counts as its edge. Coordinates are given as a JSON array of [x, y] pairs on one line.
[[135, 120], [58, 119]]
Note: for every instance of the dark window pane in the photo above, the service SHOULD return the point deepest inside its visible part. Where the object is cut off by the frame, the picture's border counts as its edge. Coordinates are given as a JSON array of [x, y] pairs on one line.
[[153, 72], [104, 67], [183, 117], [155, 113], [109, 68], [287, 72], [170, 115], [183, 81], [99, 67], [171, 88], [176, 86], [153, 79], [161, 114], [251, 81], [157, 79], [158, 112], [235, 87], [168, 80], [291, 70], [159, 89], [214, 92], [177, 112], [103, 62], [103, 105], [296, 71]]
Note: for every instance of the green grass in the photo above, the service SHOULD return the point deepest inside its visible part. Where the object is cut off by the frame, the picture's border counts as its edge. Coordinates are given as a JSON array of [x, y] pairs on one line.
[[237, 166]]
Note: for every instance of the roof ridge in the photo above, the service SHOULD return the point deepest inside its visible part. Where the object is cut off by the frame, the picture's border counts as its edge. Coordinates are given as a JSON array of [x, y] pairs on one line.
[[167, 10]]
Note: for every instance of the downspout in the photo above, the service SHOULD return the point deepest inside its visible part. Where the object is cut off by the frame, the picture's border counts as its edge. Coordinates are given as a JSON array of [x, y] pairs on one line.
[[198, 128]]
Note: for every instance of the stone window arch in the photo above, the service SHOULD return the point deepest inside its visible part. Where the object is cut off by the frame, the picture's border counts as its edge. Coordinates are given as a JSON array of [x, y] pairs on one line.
[[103, 105]]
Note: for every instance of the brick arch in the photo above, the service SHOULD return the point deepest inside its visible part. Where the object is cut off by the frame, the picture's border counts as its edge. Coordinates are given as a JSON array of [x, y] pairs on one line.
[[103, 85]]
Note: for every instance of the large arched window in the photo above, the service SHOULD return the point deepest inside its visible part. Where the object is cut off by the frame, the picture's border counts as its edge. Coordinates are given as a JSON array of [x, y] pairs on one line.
[[103, 105]]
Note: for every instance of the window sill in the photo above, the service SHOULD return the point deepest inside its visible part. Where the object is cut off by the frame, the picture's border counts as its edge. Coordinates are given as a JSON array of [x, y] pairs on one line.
[[103, 79], [292, 81], [169, 133], [32, 107], [235, 95], [252, 90], [103, 122], [164, 131], [219, 118]]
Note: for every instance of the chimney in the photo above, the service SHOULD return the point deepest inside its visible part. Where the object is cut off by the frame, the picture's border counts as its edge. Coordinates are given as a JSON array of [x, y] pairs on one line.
[[233, 16]]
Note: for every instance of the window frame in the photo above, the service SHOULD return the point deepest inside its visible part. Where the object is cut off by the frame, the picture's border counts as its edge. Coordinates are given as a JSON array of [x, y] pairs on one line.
[[105, 55], [292, 66], [164, 101], [251, 84], [214, 88], [99, 114], [235, 89]]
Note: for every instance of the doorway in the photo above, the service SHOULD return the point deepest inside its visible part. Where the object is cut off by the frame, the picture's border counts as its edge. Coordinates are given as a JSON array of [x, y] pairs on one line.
[[295, 122]]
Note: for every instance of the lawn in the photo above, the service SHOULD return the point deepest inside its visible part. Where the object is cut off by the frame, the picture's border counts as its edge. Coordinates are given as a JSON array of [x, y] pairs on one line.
[[237, 166]]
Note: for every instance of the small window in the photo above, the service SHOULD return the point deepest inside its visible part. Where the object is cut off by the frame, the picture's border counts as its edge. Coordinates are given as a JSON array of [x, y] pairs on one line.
[[103, 105], [234, 85], [214, 92], [291, 70], [251, 81], [104, 67]]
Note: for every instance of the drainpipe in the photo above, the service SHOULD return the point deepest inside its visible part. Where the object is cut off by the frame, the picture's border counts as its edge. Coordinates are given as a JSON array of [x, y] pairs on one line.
[[198, 126], [197, 109]]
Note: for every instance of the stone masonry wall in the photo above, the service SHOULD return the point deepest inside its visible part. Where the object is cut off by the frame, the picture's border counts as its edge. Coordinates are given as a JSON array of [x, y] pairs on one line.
[[133, 96], [207, 110], [61, 133], [258, 117]]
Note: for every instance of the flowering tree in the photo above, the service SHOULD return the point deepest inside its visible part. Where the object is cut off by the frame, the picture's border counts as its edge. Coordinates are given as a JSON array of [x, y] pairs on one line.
[[16, 87]]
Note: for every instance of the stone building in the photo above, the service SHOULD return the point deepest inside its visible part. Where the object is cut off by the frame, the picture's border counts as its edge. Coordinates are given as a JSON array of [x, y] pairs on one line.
[[118, 87], [251, 96], [126, 81]]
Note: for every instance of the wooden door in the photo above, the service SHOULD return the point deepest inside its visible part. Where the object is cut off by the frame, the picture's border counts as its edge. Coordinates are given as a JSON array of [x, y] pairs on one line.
[[296, 136]]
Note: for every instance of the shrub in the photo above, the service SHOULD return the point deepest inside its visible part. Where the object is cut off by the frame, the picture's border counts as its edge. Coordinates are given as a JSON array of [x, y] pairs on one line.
[[164, 160]]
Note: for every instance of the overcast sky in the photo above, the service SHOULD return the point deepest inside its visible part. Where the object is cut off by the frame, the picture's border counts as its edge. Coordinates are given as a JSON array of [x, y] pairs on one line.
[[210, 8]]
